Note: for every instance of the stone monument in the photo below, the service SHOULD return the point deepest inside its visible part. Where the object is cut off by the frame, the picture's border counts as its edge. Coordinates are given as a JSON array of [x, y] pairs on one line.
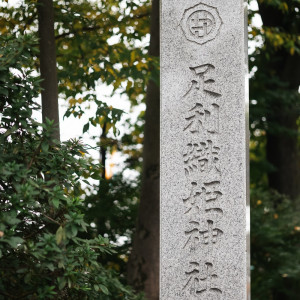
[[204, 150]]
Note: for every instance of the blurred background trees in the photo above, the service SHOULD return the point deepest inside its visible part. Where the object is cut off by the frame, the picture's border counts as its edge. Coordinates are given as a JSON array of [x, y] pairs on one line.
[[274, 150], [112, 42]]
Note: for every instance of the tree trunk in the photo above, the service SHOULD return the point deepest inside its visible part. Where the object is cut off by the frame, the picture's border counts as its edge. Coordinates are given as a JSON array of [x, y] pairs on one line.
[[103, 150], [282, 149], [283, 153], [48, 64], [143, 265]]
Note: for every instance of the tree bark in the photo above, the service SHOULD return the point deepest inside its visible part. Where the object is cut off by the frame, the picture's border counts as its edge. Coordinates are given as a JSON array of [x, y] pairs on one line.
[[48, 64], [103, 150], [143, 265], [282, 149]]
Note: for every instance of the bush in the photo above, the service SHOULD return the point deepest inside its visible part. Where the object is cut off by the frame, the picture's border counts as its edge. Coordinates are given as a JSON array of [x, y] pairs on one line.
[[275, 247], [42, 255]]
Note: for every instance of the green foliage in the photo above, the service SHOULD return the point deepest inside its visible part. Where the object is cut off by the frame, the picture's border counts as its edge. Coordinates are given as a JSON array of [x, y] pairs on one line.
[[113, 210], [275, 251], [43, 254], [104, 114], [97, 41], [274, 107], [274, 85], [47, 249], [101, 42]]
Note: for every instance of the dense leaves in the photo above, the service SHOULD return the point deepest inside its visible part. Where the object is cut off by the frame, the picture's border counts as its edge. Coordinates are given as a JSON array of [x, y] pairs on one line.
[[113, 211], [97, 41], [274, 96], [275, 251], [42, 252], [274, 150], [47, 248]]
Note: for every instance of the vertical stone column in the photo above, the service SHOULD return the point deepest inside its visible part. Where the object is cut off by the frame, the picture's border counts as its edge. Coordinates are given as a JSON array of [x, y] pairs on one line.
[[204, 146]]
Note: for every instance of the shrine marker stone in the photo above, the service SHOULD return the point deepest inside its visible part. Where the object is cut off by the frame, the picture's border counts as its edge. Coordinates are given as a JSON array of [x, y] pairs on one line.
[[204, 150]]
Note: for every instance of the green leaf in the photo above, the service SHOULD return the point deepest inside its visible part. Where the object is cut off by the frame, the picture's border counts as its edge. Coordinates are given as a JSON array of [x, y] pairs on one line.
[[14, 241], [61, 264], [27, 278], [60, 235], [45, 147], [61, 282], [74, 230], [12, 220], [4, 91], [104, 289], [69, 283], [86, 127], [55, 202], [51, 267]]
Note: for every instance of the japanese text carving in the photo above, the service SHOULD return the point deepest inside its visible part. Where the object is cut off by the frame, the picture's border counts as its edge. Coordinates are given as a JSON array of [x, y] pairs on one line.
[[201, 281], [201, 160]]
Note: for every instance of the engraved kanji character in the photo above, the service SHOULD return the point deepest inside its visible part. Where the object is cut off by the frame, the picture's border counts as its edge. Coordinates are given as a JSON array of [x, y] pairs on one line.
[[201, 156], [203, 231], [193, 235], [202, 83], [211, 234], [202, 281], [200, 119], [199, 194]]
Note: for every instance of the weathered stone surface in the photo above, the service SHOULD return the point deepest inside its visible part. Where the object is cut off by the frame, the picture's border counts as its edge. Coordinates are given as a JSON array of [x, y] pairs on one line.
[[204, 145]]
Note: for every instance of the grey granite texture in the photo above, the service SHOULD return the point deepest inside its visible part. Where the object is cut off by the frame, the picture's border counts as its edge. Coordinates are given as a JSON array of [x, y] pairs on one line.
[[204, 150]]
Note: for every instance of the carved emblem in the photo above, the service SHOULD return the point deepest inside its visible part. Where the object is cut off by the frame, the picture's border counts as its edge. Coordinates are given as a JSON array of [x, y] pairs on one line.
[[201, 23]]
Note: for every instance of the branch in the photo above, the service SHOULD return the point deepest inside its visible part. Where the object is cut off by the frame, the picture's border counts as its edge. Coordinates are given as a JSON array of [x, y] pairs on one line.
[[38, 149], [52, 220], [7, 295], [74, 32], [147, 14]]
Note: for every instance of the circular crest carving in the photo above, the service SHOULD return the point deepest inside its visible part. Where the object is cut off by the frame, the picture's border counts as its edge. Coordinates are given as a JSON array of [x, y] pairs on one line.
[[201, 23]]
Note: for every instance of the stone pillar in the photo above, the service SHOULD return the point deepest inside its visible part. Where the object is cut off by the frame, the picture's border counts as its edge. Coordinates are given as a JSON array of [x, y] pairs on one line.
[[204, 150]]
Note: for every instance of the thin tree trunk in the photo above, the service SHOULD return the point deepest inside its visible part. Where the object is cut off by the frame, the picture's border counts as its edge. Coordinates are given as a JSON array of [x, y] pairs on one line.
[[143, 265], [283, 153], [103, 150], [48, 64], [283, 150]]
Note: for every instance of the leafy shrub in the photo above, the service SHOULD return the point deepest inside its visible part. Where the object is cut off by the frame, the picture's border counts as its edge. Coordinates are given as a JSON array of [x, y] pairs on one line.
[[275, 246], [42, 252]]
